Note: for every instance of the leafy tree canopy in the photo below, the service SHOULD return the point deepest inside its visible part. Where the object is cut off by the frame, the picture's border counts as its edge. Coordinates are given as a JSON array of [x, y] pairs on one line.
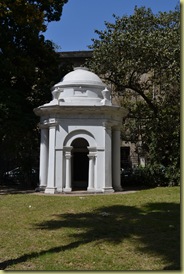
[[139, 55], [29, 66], [22, 47]]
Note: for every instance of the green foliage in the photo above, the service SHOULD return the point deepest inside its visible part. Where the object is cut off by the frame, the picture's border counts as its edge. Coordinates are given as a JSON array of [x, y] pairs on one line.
[[29, 66], [139, 55], [164, 142], [148, 177]]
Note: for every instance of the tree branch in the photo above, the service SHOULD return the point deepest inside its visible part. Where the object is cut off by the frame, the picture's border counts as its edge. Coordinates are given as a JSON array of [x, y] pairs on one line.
[[136, 89]]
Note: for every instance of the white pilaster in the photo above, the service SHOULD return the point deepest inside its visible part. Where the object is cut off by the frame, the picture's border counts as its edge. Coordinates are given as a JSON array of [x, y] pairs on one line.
[[91, 173], [68, 169], [59, 176], [116, 180], [51, 163], [43, 158], [107, 185]]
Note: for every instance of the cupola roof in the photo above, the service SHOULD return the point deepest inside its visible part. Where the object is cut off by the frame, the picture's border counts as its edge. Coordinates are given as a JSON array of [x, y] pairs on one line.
[[81, 76], [80, 87]]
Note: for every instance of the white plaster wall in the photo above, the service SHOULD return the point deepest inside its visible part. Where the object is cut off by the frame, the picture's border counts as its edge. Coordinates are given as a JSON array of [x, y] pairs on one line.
[[100, 162], [59, 176], [66, 126], [108, 159], [96, 135]]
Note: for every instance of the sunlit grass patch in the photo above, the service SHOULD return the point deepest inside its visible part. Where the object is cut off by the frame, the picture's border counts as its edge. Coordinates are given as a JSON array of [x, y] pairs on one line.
[[95, 232]]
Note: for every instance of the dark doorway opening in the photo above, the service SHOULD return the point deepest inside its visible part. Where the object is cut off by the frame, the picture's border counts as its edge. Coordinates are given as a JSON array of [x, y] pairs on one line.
[[80, 164]]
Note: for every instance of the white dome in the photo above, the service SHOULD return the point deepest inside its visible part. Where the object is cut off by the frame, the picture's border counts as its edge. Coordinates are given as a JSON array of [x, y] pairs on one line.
[[79, 77], [80, 87]]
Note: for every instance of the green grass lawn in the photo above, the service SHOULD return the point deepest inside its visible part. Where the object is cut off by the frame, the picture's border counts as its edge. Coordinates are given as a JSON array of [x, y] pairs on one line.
[[135, 231]]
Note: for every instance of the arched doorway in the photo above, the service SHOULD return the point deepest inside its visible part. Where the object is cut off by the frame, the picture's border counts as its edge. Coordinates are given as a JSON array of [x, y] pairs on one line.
[[80, 164]]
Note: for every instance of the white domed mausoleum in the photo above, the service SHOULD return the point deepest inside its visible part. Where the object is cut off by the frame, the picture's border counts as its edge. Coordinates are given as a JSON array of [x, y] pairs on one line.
[[80, 136]]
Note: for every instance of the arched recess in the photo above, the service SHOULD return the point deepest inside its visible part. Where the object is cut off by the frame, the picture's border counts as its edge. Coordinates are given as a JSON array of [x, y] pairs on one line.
[[80, 164], [80, 134], [80, 143]]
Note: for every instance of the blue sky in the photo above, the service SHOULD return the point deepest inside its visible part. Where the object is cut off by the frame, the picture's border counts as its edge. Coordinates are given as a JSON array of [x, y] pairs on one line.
[[81, 18]]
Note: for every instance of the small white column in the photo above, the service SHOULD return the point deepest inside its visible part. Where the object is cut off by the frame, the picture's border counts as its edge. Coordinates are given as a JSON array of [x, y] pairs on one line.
[[43, 158], [68, 169], [51, 163], [116, 180], [91, 173], [107, 183]]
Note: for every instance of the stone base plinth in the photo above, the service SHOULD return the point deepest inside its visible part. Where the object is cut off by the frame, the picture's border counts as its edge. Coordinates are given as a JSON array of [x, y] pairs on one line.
[[91, 190], [50, 190], [66, 190], [108, 189]]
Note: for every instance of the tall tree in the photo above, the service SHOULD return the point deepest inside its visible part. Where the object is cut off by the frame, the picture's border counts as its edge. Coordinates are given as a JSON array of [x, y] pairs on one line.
[[140, 56], [29, 66]]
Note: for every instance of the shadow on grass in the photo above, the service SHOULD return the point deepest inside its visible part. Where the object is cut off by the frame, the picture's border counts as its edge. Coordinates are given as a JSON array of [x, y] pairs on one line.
[[157, 227], [15, 189]]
